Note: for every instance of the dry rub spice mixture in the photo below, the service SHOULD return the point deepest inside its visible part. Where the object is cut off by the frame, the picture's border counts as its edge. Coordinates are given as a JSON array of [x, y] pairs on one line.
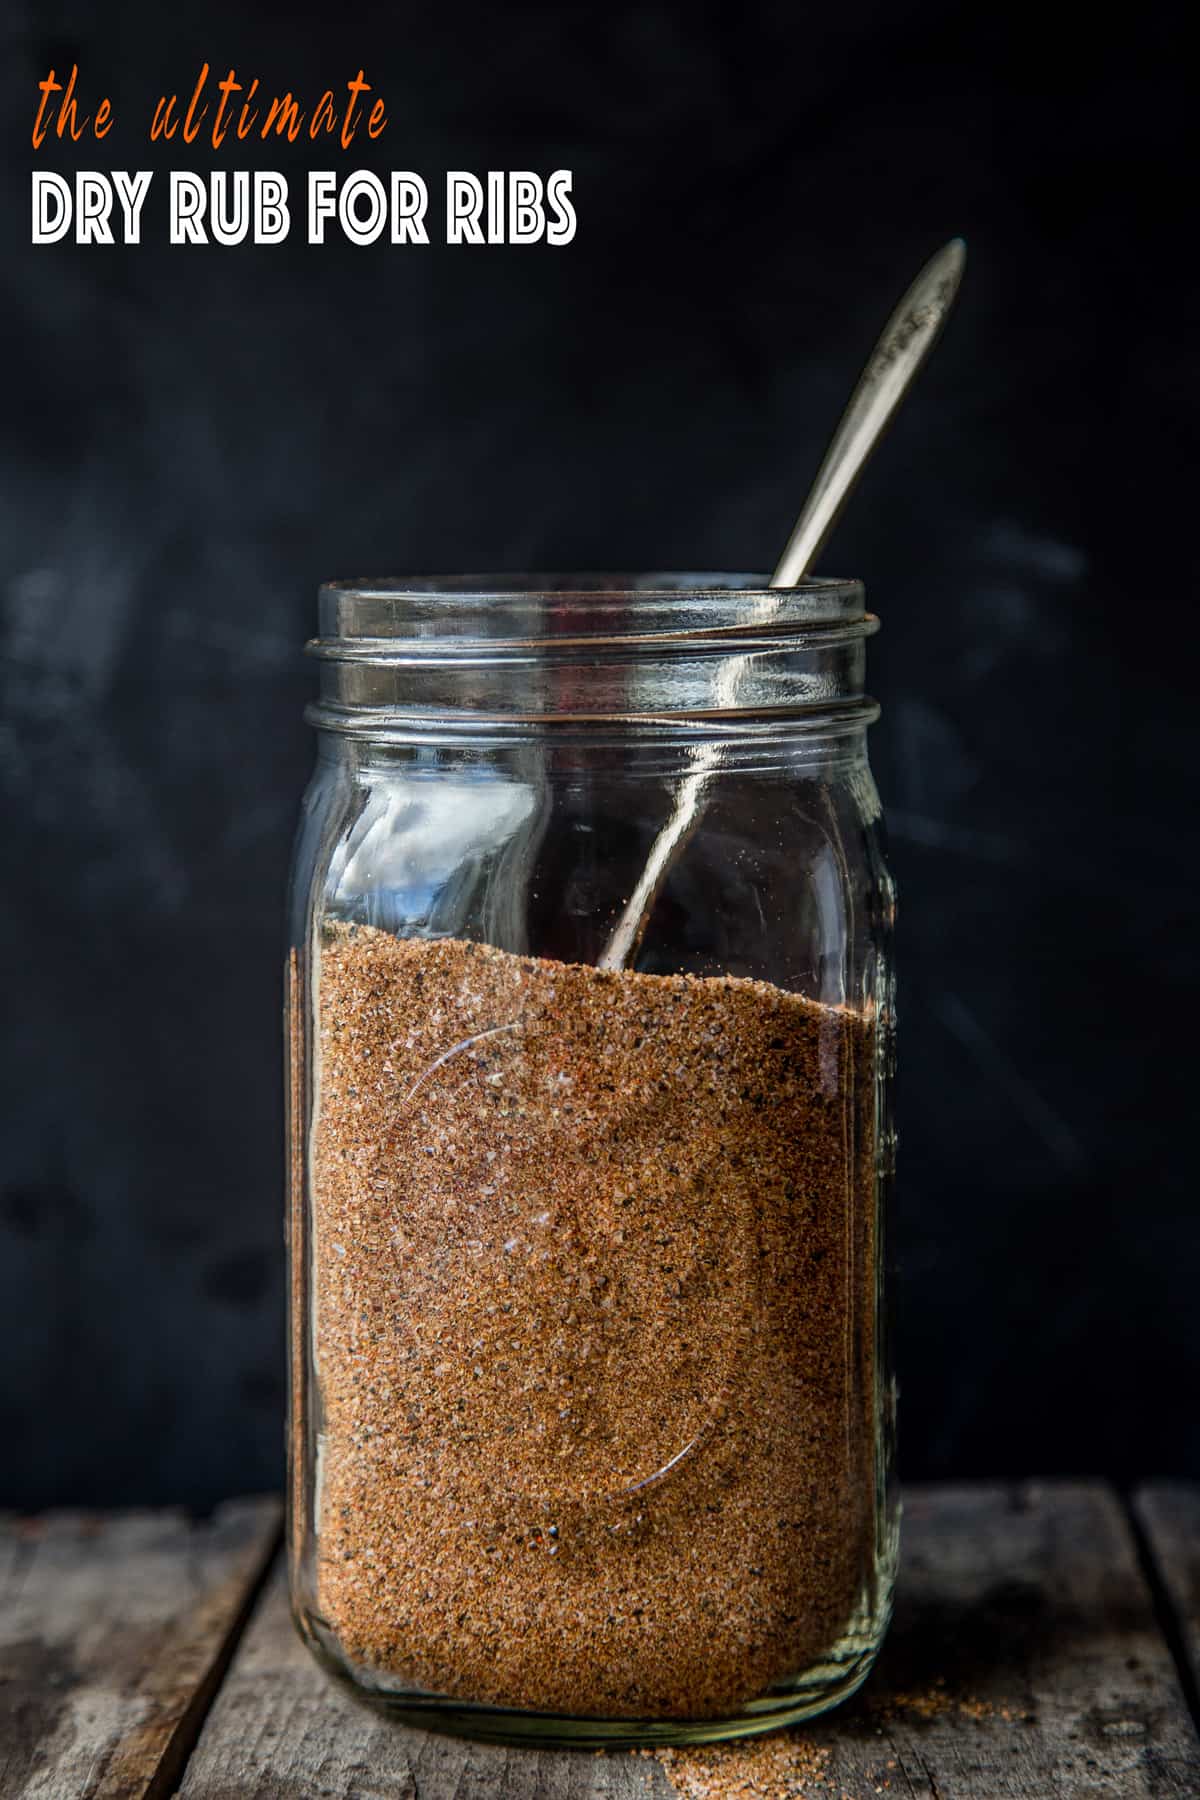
[[780, 1767], [593, 1296]]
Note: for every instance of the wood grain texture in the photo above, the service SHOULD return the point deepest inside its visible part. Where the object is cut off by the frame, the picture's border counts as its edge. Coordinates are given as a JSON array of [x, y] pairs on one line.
[[1024, 1661], [282, 1730], [112, 1633], [1169, 1514]]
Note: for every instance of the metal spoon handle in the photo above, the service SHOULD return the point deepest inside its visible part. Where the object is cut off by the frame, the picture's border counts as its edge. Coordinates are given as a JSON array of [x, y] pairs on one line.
[[906, 340]]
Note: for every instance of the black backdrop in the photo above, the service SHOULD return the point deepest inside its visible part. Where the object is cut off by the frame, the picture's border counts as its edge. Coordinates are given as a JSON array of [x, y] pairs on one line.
[[193, 438]]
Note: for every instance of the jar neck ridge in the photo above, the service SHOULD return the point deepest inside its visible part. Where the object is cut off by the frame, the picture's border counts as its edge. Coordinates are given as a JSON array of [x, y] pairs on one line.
[[675, 656]]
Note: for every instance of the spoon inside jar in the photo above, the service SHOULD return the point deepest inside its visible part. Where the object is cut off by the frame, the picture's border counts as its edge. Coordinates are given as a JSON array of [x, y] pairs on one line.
[[903, 345]]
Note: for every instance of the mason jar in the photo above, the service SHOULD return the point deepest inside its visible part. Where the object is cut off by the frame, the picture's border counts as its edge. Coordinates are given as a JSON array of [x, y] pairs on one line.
[[590, 1024]]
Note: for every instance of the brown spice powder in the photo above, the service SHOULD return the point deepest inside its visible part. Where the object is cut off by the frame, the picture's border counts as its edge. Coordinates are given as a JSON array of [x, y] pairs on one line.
[[779, 1767], [593, 1327]]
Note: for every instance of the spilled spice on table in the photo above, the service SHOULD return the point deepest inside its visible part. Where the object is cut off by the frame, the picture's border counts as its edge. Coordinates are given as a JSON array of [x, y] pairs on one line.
[[781, 1766]]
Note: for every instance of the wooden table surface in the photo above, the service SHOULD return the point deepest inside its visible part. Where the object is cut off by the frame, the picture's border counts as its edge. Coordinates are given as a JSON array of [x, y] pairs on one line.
[[1046, 1643]]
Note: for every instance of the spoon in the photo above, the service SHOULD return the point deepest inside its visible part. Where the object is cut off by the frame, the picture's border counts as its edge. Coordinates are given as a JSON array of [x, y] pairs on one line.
[[903, 345]]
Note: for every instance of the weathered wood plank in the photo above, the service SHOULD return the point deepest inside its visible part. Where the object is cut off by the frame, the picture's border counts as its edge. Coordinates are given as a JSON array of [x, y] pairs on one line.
[[1026, 1659], [280, 1729], [111, 1630], [1169, 1514], [1024, 1662]]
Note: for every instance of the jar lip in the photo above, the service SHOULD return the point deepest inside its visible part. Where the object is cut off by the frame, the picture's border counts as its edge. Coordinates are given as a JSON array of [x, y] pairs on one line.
[[465, 615]]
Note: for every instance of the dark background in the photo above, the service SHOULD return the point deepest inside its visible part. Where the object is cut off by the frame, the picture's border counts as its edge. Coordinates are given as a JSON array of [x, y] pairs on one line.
[[193, 438]]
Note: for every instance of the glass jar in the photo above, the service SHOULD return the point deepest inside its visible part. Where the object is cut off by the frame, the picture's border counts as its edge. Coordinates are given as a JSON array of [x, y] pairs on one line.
[[590, 1042]]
